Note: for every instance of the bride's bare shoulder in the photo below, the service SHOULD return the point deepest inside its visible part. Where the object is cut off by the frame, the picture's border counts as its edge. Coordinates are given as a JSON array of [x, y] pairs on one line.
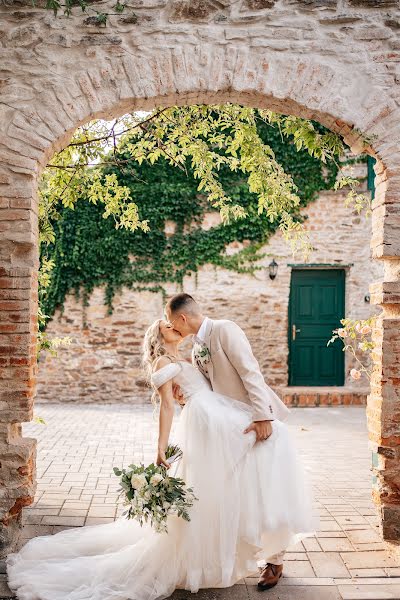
[[162, 361]]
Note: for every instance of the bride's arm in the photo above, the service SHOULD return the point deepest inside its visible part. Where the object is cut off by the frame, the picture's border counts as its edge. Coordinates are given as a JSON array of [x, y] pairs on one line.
[[167, 411]]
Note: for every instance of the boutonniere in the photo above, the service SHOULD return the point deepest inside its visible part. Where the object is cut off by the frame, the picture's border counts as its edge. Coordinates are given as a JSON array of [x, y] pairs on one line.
[[202, 354]]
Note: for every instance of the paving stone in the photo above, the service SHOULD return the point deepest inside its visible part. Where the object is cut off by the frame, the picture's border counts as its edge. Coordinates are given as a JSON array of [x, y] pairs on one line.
[[335, 544], [5, 591], [295, 556], [354, 527], [43, 510], [312, 545], [368, 572], [330, 534], [29, 531], [373, 519], [368, 581], [329, 526], [32, 519], [369, 592], [308, 581], [374, 546], [236, 592], [363, 536], [96, 520], [369, 559], [328, 564], [79, 504], [296, 548], [73, 512], [52, 496], [101, 511], [48, 502], [57, 528], [298, 568], [301, 592], [57, 520]]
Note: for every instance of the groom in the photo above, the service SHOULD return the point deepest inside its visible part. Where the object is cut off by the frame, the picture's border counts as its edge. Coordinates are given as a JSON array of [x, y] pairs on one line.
[[223, 354]]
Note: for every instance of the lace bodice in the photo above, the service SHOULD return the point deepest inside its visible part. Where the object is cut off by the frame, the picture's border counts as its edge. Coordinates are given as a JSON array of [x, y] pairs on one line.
[[185, 375]]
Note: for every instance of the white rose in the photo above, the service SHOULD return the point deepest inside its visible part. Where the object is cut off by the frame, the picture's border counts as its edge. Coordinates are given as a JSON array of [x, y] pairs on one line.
[[146, 496], [366, 329], [156, 478], [355, 374], [341, 332], [138, 480]]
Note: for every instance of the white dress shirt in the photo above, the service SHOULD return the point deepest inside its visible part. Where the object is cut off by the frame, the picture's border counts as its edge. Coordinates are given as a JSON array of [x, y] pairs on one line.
[[201, 334]]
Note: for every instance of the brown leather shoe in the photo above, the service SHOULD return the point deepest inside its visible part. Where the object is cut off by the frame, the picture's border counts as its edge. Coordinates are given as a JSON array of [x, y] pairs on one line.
[[270, 576]]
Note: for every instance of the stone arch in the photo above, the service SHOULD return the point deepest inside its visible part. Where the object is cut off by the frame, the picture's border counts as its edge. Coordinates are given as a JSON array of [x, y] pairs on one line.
[[68, 80]]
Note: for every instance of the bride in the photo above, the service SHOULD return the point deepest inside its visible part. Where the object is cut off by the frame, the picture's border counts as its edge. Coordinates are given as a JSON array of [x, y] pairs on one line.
[[253, 502]]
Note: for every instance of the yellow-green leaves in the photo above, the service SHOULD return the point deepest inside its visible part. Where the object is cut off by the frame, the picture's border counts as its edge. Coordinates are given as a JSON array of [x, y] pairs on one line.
[[209, 137], [323, 146], [359, 202]]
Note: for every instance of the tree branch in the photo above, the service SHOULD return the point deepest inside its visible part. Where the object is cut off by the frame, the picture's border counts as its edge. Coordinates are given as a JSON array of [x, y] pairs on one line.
[[107, 137]]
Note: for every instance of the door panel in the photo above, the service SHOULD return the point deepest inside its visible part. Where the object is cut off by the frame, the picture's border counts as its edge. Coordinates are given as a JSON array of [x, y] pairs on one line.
[[304, 299], [315, 309], [305, 360]]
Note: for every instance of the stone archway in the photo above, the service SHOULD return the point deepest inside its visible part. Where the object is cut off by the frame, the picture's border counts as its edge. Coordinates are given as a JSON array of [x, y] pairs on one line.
[[335, 62]]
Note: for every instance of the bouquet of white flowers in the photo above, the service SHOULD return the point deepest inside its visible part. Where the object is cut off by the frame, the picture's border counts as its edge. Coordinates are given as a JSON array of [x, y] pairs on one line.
[[152, 494]]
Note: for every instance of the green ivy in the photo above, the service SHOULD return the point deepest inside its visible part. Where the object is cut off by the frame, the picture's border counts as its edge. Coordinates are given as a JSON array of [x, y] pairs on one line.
[[89, 251]]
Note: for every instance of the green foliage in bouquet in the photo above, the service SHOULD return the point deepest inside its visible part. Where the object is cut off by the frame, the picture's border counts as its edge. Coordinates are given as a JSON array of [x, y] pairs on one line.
[[151, 494]]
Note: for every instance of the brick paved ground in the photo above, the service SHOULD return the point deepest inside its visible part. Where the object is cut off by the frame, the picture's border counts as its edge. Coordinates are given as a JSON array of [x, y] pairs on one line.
[[346, 560]]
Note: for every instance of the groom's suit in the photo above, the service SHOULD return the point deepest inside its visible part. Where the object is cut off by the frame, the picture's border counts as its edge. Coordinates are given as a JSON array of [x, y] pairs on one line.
[[234, 371]]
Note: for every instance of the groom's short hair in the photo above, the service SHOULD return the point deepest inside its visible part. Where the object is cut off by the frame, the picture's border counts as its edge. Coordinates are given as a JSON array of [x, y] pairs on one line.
[[184, 303]]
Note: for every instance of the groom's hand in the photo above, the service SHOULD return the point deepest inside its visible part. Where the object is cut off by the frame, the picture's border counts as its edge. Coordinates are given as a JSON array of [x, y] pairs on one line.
[[263, 429], [177, 393]]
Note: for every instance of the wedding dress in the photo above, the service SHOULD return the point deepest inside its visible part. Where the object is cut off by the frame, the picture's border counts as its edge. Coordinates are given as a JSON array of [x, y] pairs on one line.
[[253, 502]]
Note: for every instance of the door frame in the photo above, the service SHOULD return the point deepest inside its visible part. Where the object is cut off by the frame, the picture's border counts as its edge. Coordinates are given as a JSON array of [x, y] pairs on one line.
[[345, 267]]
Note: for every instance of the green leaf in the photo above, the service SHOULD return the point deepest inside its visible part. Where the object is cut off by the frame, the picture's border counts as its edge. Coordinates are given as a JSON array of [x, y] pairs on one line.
[[101, 18], [53, 5]]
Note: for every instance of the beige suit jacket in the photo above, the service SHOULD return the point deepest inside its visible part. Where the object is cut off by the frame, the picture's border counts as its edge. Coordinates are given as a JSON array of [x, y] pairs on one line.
[[234, 371]]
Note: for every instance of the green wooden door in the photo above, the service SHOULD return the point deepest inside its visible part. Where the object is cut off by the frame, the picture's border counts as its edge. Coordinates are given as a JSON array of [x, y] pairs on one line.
[[371, 175], [316, 306]]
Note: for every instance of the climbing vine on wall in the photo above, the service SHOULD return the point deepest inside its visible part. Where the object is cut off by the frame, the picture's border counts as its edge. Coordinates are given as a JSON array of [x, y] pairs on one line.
[[88, 251], [95, 17]]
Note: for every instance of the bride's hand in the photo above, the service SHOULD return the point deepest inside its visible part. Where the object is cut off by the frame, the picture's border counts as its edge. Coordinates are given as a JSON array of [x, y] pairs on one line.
[[161, 460]]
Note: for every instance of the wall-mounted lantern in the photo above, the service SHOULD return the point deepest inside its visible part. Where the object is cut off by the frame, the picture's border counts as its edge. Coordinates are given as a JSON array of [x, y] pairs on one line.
[[273, 269]]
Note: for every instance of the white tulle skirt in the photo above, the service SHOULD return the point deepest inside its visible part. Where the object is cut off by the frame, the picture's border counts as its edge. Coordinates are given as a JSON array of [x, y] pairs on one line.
[[254, 501]]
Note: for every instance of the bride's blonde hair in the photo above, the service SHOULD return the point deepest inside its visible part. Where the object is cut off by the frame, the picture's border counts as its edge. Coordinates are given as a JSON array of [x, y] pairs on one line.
[[153, 348]]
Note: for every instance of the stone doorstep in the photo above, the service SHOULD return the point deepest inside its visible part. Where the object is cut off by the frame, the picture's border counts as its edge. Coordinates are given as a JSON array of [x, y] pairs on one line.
[[322, 396]]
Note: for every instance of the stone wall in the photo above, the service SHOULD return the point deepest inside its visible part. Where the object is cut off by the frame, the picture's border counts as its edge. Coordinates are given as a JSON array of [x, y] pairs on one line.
[[103, 362]]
